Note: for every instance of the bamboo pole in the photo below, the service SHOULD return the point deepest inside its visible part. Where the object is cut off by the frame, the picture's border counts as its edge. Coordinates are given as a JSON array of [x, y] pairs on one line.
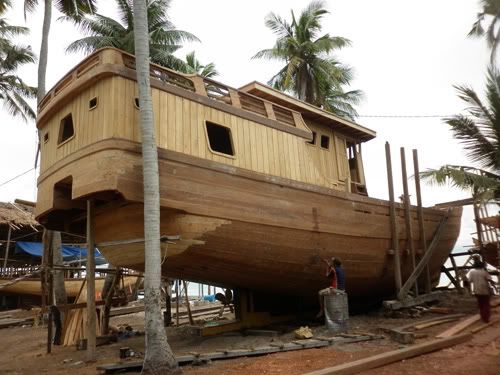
[[392, 214], [420, 213], [409, 234], [91, 312]]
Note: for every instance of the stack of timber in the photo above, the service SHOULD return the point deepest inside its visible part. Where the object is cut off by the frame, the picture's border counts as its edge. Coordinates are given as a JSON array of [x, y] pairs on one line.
[[75, 320], [250, 178]]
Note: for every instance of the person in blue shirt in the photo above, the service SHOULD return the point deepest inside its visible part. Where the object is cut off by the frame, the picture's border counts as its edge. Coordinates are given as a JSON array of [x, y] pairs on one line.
[[336, 280]]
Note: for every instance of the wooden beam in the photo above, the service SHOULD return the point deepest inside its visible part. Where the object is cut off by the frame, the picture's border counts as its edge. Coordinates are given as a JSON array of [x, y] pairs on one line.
[[452, 279], [392, 216], [458, 203], [409, 232], [460, 326], [425, 259], [392, 356], [420, 214], [91, 312]]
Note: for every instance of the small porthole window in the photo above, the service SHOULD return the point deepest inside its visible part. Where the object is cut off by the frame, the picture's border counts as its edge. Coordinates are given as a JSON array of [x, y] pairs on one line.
[[92, 103], [219, 138], [325, 142], [66, 130], [313, 140], [46, 137], [136, 103]]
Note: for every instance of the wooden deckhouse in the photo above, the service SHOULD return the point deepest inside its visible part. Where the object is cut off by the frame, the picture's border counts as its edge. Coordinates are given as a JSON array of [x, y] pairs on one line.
[[258, 185]]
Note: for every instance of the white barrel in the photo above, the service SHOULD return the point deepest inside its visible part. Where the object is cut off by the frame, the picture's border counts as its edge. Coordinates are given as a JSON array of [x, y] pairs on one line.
[[336, 311]]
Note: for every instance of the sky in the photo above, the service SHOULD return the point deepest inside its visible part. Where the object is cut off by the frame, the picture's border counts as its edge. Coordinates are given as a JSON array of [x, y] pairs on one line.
[[407, 55]]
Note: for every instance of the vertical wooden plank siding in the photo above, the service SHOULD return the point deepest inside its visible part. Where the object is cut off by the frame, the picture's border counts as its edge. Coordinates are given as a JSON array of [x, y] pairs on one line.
[[181, 127]]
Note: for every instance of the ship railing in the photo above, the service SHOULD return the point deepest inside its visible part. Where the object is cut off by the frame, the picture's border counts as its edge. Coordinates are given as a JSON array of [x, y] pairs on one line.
[[197, 84]]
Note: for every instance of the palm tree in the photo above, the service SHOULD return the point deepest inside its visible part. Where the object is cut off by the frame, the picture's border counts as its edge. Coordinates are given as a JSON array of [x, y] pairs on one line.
[[68, 7], [309, 72], [164, 39], [479, 132], [194, 66], [490, 13], [13, 90], [159, 358]]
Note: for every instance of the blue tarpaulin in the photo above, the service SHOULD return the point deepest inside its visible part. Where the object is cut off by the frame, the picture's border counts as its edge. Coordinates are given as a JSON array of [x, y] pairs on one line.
[[69, 253]]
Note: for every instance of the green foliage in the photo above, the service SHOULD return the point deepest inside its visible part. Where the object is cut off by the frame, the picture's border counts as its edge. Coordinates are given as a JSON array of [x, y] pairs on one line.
[[465, 178], [479, 132], [13, 90], [193, 66], [72, 8], [103, 31], [310, 73], [488, 25]]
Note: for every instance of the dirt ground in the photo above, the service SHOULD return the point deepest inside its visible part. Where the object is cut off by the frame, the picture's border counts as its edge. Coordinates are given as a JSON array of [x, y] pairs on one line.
[[23, 349]]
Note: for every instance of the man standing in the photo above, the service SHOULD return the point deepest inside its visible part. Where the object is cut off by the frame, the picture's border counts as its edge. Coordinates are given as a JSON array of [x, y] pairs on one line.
[[480, 279]]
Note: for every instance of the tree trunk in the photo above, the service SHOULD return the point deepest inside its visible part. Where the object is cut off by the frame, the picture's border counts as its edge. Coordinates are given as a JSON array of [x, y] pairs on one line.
[[44, 50], [159, 358]]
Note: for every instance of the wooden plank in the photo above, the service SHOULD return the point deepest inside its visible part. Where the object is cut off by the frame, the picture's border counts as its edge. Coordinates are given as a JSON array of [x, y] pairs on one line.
[[392, 356], [483, 326], [460, 326], [91, 312], [435, 323]]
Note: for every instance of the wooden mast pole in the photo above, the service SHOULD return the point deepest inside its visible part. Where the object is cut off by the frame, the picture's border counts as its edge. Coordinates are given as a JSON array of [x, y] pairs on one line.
[[406, 196], [420, 213], [90, 269], [177, 302], [392, 214]]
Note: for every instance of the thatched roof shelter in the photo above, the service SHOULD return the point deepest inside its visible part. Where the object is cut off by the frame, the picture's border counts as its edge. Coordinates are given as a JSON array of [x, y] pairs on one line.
[[18, 215]]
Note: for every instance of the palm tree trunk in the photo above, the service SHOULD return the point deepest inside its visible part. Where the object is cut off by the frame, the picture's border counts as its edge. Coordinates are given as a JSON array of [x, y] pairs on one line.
[[159, 358], [44, 50]]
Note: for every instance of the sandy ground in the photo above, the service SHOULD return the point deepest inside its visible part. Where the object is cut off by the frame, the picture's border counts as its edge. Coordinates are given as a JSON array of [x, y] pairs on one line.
[[23, 349]]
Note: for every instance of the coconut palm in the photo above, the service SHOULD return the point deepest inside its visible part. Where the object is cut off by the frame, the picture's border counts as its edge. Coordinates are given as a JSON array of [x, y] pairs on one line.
[[194, 66], [488, 25], [13, 90], [103, 31], [159, 358], [309, 72], [479, 132], [75, 8]]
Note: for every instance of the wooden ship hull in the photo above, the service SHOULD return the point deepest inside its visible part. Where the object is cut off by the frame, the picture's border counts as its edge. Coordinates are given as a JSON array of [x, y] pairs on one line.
[[257, 205], [32, 286]]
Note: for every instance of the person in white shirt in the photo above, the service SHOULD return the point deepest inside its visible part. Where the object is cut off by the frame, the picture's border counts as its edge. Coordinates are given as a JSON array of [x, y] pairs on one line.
[[481, 279]]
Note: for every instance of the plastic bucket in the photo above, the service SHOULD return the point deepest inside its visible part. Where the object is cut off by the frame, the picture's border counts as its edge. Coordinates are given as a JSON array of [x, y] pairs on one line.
[[336, 311]]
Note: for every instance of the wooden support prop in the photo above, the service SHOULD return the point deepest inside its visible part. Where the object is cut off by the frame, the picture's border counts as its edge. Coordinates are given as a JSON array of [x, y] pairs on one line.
[[177, 302], [108, 300], [392, 356], [425, 259], [420, 214], [191, 321], [409, 232], [91, 312], [450, 276], [50, 264], [392, 215]]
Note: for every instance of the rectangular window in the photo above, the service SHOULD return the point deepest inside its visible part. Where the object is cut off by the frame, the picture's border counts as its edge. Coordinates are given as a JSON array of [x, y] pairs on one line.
[[219, 138], [313, 141], [325, 142], [46, 137], [66, 130]]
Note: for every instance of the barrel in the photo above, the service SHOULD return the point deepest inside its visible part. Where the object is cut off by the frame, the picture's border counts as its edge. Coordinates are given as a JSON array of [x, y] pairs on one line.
[[336, 311]]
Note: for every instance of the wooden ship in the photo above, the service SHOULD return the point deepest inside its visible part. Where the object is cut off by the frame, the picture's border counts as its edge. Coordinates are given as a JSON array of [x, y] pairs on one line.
[[259, 186]]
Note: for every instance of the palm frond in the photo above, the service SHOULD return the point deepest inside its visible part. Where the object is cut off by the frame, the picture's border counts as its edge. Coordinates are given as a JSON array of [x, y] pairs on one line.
[[462, 177]]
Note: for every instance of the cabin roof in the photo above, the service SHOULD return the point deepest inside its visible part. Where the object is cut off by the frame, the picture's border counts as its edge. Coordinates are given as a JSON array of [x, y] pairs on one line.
[[310, 111], [18, 215]]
